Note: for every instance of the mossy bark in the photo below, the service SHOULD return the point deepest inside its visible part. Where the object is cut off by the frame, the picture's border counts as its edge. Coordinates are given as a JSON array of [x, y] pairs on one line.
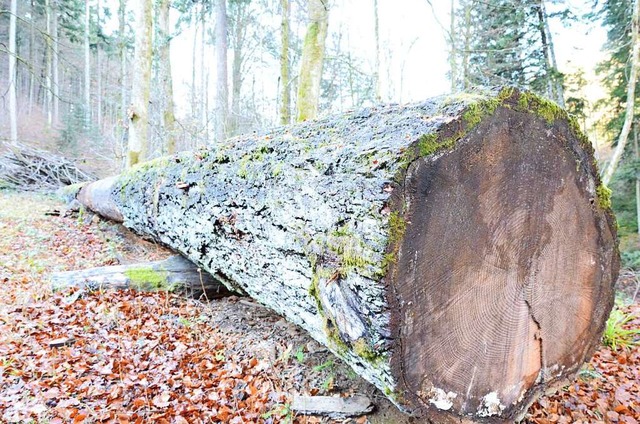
[[312, 60], [403, 238]]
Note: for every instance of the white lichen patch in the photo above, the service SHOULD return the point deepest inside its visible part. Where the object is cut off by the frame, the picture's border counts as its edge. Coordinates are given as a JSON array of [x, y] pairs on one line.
[[441, 399], [490, 405]]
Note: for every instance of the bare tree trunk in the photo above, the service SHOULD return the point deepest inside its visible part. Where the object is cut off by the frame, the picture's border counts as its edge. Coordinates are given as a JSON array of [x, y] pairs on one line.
[[204, 77], [32, 41], [558, 88], [236, 67], [631, 93], [221, 72], [49, 65], [141, 85], [87, 65], [285, 73], [637, 155], [376, 34], [168, 117], [467, 45], [312, 60], [453, 55], [98, 75], [194, 98], [13, 104], [55, 61], [122, 46]]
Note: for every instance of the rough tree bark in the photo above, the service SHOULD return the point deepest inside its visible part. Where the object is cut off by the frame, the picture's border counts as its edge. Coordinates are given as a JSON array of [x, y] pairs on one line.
[[459, 253]]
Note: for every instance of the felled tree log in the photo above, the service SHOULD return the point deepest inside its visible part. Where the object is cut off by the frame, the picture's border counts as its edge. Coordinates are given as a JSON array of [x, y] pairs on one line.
[[172, 274], [460, 253]]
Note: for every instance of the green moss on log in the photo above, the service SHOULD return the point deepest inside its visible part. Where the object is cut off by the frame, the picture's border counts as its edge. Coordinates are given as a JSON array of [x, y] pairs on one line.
[[148, 278]]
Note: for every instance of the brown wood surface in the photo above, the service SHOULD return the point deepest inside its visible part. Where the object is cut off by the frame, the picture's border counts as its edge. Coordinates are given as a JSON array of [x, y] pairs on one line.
[[502, 270]]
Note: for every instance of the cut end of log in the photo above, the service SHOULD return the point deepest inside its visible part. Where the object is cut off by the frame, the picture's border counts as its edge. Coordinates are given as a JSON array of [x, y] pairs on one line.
[[505, 269]]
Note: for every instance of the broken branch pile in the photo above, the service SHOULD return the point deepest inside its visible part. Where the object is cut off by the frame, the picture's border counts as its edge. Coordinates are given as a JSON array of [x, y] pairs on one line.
[[27, 168]]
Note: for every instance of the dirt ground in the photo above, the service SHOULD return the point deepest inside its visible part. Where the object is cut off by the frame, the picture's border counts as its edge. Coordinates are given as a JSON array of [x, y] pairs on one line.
[[158, 357]]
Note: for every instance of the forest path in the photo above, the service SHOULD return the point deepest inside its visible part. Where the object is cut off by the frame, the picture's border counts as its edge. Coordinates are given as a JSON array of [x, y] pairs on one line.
[[157, 357]]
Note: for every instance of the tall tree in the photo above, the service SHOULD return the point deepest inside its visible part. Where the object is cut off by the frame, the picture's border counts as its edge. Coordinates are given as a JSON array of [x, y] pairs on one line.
[[55, 60], [630, 96], [376, 36], [87, 64], [141, 84], [168, 116], [285, 80], [13, 106], [122, 51], [313, 52], [49, 63], [222, 90]]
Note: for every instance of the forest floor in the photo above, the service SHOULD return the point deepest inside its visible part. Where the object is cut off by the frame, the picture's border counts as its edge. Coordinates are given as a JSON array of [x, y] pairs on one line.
[[129, 357]]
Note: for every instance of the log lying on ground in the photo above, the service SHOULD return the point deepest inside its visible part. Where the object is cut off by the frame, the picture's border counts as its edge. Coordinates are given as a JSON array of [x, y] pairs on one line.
[[460, 253], [172, 274]]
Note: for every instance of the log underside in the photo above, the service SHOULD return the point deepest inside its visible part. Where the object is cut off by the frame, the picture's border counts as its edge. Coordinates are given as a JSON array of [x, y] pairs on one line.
[[460, 254]]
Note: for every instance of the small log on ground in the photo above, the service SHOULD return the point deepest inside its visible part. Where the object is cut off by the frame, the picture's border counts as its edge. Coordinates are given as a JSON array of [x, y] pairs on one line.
[[459, 253], [332, 407], [173, 274]]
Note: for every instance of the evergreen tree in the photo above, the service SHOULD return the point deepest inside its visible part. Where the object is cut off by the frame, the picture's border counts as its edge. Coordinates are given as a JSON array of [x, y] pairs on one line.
[[504, 42]]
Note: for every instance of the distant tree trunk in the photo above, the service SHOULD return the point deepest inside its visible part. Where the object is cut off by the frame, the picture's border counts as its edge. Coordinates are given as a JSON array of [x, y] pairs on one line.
[[467, 45], [32, 42], [98, 74], [554, 86], [141, 85], [194, 98], [49, 65], [312, 60], [285, 74], [236, 66], [168, 117], [631, 90], [221, 71], [55, 61], [13, 104], [122, 47], [559, 89], [87, 65], [376, 34], [453, 56], [204, 76], [637, 157]]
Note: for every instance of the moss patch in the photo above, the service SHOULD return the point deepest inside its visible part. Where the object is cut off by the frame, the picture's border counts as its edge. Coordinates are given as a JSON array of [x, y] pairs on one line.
[[148, 278], [604, 196], [546, 109]]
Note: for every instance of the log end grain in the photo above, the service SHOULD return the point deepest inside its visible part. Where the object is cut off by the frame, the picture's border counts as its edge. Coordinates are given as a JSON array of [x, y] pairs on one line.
[[505, 265]]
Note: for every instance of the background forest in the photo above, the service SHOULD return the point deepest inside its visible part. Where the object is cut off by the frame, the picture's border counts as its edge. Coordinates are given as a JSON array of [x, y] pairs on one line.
[[111, 83]]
